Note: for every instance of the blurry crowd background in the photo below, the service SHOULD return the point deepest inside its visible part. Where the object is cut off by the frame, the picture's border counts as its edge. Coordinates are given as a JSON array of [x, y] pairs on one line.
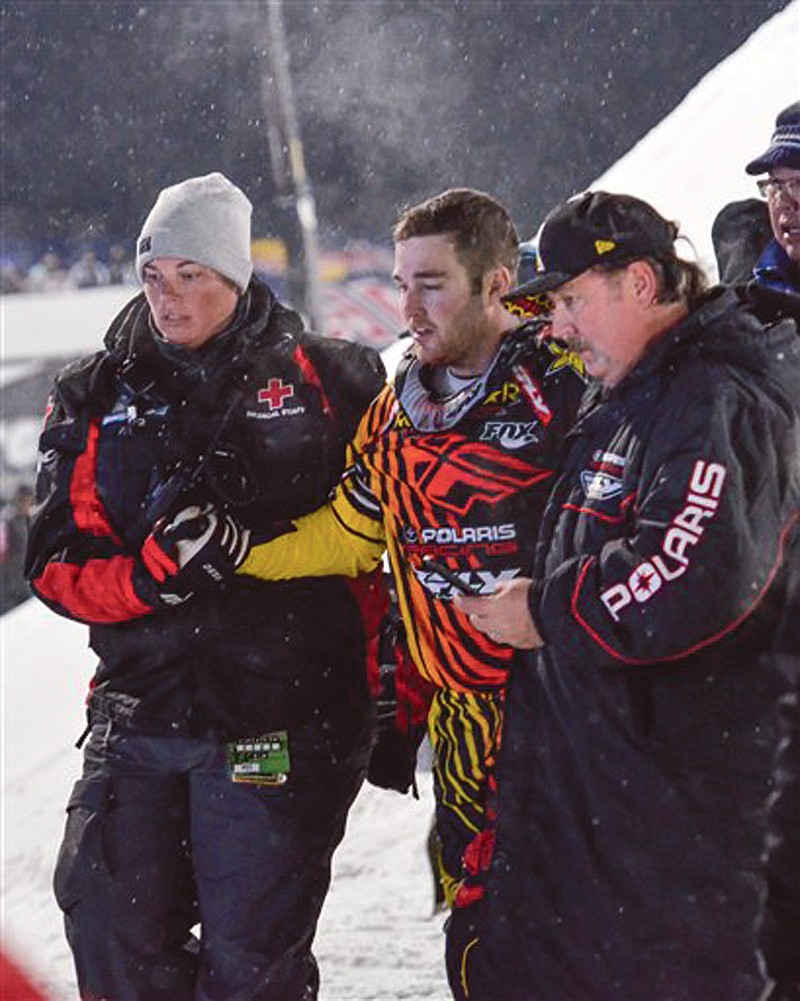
[[55, 270]]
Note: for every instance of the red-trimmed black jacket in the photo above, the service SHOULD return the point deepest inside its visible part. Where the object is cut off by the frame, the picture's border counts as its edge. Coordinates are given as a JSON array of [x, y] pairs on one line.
[[638, 743], [256, 421]]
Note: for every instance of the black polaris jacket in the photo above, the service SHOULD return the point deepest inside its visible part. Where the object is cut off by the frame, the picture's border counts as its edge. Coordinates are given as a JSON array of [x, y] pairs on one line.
[[257, 421], [638, 744]]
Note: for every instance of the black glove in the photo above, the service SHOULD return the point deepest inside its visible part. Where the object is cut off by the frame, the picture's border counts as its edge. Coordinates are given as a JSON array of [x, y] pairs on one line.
[[393, 760], [198, 549]]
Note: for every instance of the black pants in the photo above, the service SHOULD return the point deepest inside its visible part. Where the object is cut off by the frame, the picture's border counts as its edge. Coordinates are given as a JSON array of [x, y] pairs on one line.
[[463, 940], [159, 839]]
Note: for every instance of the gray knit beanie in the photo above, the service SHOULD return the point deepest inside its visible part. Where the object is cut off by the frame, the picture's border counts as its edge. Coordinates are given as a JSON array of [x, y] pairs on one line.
[[203, 219]]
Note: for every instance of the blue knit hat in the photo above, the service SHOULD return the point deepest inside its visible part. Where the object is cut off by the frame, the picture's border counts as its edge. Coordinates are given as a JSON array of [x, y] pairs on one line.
[[784, 147]]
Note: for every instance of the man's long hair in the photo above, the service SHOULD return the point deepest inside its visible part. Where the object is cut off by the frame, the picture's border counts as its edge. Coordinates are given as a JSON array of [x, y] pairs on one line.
[[678, 280]]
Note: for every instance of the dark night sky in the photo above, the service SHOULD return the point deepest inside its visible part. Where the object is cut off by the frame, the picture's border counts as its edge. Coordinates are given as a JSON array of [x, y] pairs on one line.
[[105, 103]]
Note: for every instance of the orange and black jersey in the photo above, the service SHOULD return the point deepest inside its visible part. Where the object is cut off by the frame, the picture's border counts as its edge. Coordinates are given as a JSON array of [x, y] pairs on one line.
[[462, 478]]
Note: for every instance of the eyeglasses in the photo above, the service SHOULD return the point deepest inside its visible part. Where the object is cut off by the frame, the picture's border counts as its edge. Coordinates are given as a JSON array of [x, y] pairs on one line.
[[773, 189]]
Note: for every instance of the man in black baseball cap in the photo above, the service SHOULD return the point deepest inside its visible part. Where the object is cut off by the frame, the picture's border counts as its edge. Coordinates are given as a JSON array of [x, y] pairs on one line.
[[640, 717], [597, 229], [778, 268], [589, 248]]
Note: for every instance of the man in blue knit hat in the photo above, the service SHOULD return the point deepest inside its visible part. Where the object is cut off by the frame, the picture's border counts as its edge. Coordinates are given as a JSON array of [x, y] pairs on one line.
[[777, 274], [778, 268]]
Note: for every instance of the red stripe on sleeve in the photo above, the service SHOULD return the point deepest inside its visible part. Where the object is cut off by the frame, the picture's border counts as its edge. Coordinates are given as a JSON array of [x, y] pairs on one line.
[[100, 591], [87, 508], [687, 651], [311, 375], [159, 564]]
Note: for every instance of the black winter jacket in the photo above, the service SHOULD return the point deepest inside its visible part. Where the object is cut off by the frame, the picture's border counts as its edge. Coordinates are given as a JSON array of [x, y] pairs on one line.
[[779, 930], [257, 421], [638, 743]]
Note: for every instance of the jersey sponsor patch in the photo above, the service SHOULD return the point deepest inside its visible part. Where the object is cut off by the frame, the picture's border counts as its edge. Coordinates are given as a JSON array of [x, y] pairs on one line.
[[479, 581], [507, 393], [564, 358], [444, 534], [511, 434], [478, 541], [527, 305], [603, 479], [533, 392]]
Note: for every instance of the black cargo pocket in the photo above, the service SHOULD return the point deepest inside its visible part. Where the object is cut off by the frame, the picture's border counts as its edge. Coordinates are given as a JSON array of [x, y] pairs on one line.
[[81, 858]]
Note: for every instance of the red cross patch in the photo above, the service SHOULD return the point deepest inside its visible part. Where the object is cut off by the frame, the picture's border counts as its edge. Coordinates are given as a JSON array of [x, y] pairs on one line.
[[275, 393]]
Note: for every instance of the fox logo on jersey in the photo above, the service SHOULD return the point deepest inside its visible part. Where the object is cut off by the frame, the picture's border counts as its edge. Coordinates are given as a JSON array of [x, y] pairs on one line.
[[511, 434]]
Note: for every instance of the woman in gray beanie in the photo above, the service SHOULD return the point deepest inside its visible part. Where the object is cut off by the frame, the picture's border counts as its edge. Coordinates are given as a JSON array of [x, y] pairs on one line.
[[229, 719]]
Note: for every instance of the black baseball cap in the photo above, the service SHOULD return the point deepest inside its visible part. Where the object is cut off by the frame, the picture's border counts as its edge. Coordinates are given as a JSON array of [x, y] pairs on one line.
[[784, 147], [596, 228]]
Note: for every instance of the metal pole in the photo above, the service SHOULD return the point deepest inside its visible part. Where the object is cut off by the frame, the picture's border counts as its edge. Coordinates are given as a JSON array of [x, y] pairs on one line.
[[288, 162]]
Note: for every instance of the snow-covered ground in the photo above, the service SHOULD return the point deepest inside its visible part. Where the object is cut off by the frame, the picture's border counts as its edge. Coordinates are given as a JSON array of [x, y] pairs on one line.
[[378, 940]]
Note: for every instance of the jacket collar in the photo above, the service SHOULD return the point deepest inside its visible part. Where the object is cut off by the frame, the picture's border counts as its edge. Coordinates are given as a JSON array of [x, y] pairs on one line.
[[146, 362], [721, 325], [776, 270]]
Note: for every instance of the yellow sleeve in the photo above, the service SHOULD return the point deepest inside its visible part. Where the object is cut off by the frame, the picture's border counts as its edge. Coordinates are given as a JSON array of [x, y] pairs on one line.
[[345, 536], [322, 543]]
